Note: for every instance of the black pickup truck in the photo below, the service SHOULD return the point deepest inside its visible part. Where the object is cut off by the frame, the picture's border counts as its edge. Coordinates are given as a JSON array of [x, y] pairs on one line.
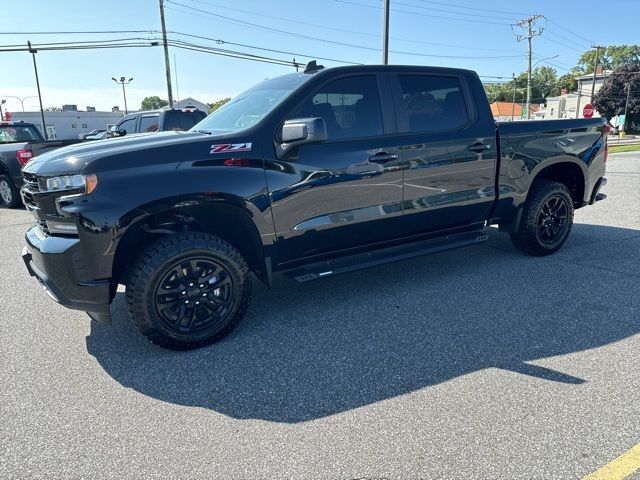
[[19, 143], [310, 174]]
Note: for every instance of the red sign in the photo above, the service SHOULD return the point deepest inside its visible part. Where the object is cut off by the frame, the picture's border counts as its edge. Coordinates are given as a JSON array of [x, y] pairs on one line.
[[587, 111], [7, 116]]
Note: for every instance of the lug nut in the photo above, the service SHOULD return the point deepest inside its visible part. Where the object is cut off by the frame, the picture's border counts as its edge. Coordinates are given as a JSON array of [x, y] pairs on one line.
[[191, 284], [197, 303], [184, 293], [186, 301], [204, 294]]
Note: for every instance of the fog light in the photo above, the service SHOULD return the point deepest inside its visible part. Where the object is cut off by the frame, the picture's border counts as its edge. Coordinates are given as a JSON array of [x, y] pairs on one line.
[[65, 228]]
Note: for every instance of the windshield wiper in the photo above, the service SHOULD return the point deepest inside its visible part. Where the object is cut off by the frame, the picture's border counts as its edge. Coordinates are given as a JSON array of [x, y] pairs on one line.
[[207, 132]]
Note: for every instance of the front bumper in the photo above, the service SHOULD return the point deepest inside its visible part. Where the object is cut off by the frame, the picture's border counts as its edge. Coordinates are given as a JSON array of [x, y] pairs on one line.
[[55, 262]]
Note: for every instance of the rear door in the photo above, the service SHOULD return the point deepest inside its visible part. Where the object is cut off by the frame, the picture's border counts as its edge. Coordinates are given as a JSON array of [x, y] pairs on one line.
[[449, 151], [346, 191]]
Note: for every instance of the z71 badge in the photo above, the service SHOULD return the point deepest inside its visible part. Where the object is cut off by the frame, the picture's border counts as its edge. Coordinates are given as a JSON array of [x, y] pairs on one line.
[[231, 147]]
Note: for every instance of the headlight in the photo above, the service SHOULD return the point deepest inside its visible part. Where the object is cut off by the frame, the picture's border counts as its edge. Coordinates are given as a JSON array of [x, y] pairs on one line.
[[73, 182]]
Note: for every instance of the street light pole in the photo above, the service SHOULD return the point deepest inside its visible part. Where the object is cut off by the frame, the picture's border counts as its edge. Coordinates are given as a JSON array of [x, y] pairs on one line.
[[123, 81], [21, 100], [33, 52]]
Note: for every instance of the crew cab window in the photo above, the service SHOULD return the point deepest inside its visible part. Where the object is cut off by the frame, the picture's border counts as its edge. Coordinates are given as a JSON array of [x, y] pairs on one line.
[[17, 133], [349, 106], [128, 125], [149, 123], [433, 103]]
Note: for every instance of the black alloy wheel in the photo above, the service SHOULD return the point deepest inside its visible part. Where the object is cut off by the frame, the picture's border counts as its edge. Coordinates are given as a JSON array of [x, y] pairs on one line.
[[194, 294], [552, 220]]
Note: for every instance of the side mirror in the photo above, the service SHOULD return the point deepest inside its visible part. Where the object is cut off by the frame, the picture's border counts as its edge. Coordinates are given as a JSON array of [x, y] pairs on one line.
[[299, 131], [117, 132]]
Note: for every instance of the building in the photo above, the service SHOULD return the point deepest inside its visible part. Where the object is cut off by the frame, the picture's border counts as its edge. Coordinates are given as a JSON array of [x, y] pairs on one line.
[[570, 105], [507, 111], [70, 123], [189, 102]]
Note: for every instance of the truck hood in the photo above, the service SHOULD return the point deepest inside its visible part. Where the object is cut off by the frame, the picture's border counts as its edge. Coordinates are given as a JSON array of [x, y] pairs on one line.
[[74, 158]]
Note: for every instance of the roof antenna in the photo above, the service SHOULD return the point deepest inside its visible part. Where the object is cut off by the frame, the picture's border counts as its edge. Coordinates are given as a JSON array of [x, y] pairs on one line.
[[313, 67]]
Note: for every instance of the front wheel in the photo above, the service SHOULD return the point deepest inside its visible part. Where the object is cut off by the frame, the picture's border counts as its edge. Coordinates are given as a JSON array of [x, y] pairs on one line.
[[188, 290], [9, 195], [546, 219]]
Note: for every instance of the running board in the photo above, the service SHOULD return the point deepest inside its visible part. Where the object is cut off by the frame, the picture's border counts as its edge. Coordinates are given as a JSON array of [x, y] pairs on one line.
[[327, 268]]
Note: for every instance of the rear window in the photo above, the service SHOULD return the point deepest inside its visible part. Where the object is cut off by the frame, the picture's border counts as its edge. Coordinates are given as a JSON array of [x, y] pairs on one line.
[[18, 133], [433, 103], [179, 120]]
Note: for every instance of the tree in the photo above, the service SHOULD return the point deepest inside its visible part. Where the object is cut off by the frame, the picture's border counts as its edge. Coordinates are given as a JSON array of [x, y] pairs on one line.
[[610, 58], [568, 81], [217, 104], [611, 98], [153, 103]]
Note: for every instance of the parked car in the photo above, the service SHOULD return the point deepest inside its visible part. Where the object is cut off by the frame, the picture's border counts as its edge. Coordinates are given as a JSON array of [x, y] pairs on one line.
[[157, 121], [98, 136], [19, 143], [94, 132], [310, 174]]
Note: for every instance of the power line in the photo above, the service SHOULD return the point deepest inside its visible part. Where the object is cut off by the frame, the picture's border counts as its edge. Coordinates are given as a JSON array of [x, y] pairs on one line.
[[220, 42], [344, 30], [423, 14], [89, 32], [569, 31], [324, 40], [473, 8], [446, 11]]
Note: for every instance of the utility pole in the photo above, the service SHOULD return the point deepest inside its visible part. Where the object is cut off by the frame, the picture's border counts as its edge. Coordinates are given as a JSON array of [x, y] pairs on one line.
[[529, 25], [626, 107], [167, 66], [33, 52], [385, 33], [513, 104], [595, 70]]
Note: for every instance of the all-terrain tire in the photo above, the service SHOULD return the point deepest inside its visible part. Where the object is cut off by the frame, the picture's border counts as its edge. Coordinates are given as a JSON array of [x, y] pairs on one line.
[[188, 272], [538, 222], [9, 194]]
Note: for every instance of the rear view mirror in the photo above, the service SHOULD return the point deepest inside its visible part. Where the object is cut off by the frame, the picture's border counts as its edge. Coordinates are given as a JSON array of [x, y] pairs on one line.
[[299, 131]]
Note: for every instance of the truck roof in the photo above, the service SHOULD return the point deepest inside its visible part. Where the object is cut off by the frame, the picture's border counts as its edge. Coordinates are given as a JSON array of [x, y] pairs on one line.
[[319, 70]]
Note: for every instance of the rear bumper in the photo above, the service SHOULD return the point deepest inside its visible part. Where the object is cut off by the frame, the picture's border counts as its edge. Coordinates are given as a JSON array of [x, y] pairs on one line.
[[54, 262]]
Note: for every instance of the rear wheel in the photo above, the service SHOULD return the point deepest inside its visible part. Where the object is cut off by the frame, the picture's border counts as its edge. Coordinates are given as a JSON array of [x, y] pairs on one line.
[[188, 290], [9, 195], [546, 219]]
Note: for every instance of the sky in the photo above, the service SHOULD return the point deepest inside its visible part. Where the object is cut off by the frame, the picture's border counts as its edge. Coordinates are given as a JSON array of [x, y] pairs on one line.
[[468, 34]]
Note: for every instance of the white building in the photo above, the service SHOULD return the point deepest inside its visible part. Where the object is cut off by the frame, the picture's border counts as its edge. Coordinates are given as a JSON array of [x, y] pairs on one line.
[[69, 124], [571, 105]]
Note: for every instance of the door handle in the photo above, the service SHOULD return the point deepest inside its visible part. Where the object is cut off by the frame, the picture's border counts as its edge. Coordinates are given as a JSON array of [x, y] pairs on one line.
[[478, 147], [383, 157]]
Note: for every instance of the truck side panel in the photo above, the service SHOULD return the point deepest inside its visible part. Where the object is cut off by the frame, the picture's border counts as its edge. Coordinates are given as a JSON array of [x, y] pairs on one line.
[[528, 148]]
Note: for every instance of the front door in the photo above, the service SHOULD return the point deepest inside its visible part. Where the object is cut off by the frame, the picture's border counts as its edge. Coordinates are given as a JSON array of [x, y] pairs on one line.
[[346, 191], [450, 153]]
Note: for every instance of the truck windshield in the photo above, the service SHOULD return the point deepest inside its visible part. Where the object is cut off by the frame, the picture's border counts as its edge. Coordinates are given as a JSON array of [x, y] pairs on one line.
[[250, 107], [17, 134]]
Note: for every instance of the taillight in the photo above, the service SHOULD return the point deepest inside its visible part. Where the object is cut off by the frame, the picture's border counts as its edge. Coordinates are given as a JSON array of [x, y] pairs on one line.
[[24, 156]]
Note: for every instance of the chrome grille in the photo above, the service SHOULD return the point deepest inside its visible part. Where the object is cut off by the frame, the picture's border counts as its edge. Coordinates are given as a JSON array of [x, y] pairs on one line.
[[43, 226], [31, 186]]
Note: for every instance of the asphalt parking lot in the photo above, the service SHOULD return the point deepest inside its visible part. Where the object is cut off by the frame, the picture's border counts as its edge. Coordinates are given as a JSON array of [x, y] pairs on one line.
[[474, 363]]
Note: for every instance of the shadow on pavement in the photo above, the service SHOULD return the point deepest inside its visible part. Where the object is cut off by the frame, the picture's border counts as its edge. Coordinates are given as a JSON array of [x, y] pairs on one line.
[[316, 349]]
